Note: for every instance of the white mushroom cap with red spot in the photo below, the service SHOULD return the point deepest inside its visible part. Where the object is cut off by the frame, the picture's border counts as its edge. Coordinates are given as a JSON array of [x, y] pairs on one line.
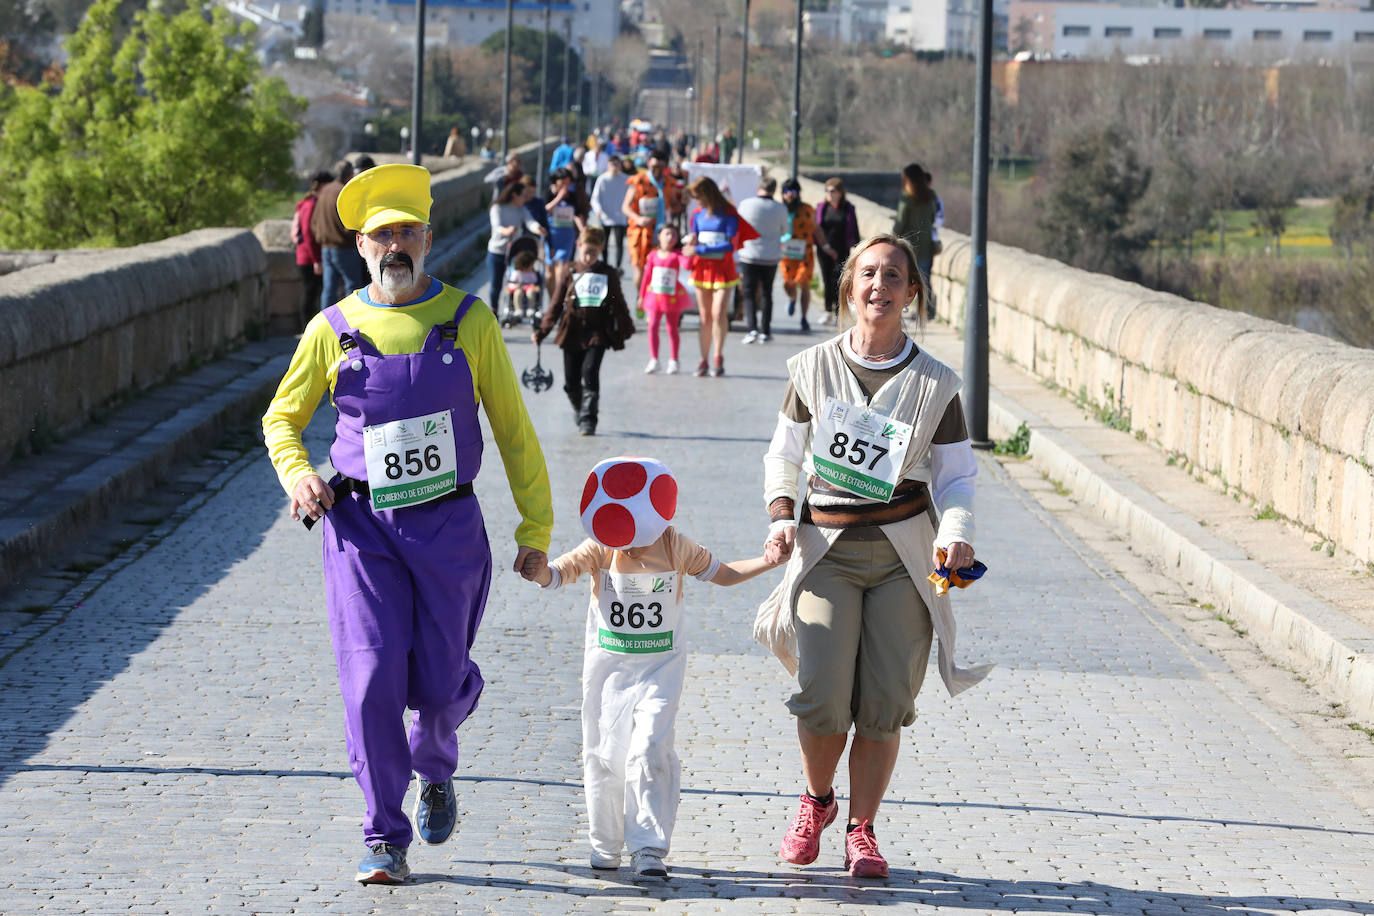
[[628, 502]]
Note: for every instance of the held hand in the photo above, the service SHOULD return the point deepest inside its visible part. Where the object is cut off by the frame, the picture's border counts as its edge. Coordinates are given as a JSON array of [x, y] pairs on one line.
[[529, 563], [534, 336], [312, 496], [319, 269], [778, 548], [957, 556]]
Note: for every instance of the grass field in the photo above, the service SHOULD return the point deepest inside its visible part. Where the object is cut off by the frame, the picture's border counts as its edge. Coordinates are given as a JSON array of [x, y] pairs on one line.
[[1305, 237]]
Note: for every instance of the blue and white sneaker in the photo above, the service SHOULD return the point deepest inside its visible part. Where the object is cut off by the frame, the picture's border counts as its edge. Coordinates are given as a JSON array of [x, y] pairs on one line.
[[436, 811], [384, 864]]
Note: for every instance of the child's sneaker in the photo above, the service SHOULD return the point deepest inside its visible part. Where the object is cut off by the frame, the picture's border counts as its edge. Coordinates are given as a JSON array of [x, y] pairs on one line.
[[605, 863], [802, 842], [672, 367], [648, 864], [651, 367], [861, 856]]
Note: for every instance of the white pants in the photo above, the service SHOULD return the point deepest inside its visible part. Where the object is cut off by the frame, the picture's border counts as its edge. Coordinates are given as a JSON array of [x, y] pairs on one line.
[[631, 771]]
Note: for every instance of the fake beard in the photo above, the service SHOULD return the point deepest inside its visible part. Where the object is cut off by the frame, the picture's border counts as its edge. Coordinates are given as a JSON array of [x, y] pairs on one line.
[[395, 272]]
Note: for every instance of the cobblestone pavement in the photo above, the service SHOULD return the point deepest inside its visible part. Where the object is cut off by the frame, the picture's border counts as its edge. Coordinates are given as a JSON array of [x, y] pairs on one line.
[[172, 740]]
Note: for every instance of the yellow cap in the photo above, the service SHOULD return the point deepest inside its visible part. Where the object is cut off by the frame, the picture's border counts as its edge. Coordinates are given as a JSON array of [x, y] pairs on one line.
[[385, 194]]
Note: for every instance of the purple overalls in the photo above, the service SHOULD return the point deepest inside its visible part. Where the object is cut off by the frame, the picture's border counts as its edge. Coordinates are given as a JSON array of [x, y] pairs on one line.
[[405, 587]]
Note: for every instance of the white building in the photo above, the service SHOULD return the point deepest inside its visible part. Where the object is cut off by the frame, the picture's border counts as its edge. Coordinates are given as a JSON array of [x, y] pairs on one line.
[[942, 25], [469, 22], [1100, 30]]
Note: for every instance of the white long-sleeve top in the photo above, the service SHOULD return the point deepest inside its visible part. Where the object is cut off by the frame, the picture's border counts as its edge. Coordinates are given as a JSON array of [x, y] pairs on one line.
[[949, 468], [608, 197]]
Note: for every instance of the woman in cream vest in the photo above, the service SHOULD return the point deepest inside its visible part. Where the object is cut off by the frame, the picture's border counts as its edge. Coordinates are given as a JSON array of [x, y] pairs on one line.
[[876, 425]]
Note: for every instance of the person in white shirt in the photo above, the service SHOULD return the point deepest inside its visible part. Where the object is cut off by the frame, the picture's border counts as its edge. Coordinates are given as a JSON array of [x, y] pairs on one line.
[[758, 259], [608, 197]]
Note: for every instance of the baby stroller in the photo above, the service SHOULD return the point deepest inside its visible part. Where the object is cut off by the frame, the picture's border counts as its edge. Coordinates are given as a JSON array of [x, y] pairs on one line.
[[509, 308]]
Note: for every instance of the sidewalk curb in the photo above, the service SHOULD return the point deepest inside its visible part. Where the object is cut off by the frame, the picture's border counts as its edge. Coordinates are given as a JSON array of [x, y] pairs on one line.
[[86, 497], [1291, 626]]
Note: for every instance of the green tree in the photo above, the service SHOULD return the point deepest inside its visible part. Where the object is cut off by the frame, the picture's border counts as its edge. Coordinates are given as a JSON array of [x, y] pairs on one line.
[[170, 129], [1352, 223], [1096, 180], [526, 48]]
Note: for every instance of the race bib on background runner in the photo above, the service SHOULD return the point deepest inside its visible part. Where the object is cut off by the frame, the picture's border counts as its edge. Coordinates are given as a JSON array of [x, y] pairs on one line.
[[590, 290], [638, 614], [663, 280], [410, 461], [859, 450], [794, 249]]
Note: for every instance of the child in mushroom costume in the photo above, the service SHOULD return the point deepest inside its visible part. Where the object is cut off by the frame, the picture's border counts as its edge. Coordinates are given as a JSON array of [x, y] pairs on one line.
[[634, 654]]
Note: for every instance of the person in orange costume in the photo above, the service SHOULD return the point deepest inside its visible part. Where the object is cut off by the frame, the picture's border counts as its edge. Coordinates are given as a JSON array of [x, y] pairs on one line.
[[650, 199]]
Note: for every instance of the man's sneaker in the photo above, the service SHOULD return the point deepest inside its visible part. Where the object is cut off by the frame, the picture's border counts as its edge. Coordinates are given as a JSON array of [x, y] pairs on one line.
[[802, 842], [751, 337], [383, 864], [861, 856], [436, 811], [765, 338], [805, 326], [605, 863], [672, 367], [701, 369], [651, 366], [648, 864], [791, 306]]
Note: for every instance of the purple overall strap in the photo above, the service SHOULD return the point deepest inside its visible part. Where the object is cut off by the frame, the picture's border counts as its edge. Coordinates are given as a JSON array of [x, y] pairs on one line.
[[448, 332], [334, 315]]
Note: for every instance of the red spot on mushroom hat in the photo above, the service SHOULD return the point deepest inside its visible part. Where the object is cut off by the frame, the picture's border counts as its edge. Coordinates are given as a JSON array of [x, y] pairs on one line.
[[628, 501]]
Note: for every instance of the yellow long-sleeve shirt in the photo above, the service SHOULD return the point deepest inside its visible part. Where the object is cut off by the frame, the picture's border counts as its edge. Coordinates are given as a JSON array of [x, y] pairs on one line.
[[401, 329]]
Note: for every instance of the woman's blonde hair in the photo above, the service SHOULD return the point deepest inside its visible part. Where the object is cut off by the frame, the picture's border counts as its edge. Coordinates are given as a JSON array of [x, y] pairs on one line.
[[706, 191], [913, 275]]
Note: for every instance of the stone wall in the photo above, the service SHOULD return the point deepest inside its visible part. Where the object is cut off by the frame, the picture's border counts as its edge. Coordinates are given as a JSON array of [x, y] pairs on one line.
[[1272, 414], [79, 329], [84, 329]]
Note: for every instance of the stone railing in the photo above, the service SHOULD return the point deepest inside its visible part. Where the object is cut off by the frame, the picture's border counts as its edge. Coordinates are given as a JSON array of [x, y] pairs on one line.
[[86, 328], [1272, 414], [80, 329]]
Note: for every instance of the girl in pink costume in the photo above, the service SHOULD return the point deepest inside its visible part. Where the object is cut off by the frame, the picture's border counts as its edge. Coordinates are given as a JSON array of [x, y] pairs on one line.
[[661, 295]]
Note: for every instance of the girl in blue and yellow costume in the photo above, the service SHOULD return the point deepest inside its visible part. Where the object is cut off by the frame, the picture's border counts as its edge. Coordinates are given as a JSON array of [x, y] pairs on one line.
[[406, 361]]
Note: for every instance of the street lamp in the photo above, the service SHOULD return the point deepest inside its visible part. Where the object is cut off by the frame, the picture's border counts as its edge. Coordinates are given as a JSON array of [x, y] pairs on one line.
[[476, 138], [692, 114], [417, 93], [369, 131], [405, 137], [743, 80], [505, 91]]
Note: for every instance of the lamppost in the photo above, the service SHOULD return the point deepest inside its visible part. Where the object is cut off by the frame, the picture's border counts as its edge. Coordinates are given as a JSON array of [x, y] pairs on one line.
[[505, 91], [796, 93], [715, 89], [976, 305], [370, 131], [743, 81], [417, 94], [405, 137], [476, 138], [567, 60], [692, 115], [543, 99]]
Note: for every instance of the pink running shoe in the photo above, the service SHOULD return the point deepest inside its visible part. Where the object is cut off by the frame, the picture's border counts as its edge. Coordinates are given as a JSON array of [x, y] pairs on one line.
[[861, 856], [802, 842]]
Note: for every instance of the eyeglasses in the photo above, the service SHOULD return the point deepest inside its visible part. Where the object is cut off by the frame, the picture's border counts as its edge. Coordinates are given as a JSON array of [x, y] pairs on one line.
[[405, 235]]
